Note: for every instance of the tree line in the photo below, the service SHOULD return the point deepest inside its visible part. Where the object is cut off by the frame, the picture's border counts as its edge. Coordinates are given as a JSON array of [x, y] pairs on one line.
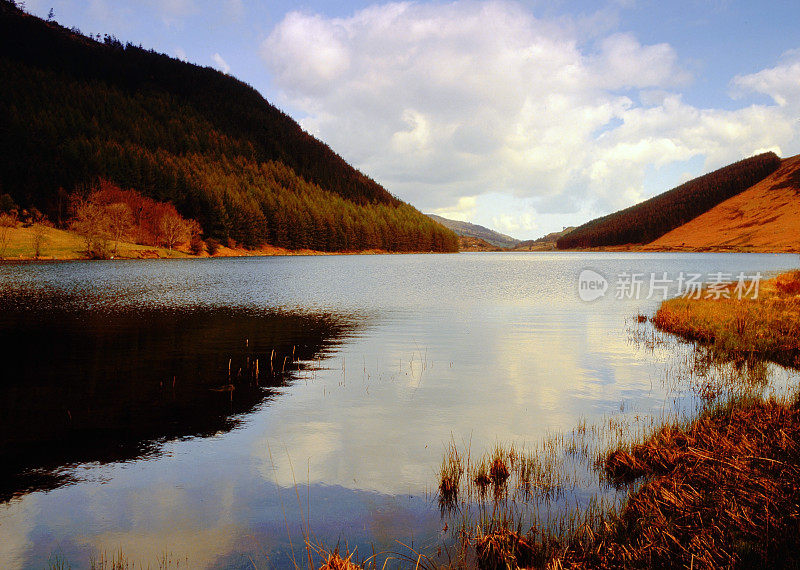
[[651, 219], [77, 110]]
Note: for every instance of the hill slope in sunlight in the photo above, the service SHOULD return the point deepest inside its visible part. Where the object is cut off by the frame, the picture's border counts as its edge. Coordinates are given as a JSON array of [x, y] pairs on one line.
[[765, 217]]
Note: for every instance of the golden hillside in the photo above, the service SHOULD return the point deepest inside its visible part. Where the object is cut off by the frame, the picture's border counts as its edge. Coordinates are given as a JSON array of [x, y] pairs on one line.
[[765, 217]]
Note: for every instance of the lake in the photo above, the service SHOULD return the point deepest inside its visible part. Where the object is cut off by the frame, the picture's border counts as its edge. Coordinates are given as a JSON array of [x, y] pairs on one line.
[[220, 411]]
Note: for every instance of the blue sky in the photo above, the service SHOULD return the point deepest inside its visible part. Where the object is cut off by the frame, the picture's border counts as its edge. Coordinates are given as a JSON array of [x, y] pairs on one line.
[[522, 116]]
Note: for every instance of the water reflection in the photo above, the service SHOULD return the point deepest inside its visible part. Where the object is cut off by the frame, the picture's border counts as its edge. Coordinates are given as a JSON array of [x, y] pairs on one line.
[[99, 385], [477, 348]]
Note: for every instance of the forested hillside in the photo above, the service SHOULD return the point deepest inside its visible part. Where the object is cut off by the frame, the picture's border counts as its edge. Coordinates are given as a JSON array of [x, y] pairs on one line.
[[653, 218], [76, 110]]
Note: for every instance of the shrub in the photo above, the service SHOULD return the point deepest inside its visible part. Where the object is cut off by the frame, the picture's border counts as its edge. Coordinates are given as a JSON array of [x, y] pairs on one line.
[[196, 245], [212, 246]]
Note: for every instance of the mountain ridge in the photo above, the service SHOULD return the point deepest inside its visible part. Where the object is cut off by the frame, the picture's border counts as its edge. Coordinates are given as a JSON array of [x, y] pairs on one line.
[[468, 229]]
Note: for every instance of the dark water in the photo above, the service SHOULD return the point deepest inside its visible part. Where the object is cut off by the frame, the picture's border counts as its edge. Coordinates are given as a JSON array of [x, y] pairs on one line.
[[133, 419]]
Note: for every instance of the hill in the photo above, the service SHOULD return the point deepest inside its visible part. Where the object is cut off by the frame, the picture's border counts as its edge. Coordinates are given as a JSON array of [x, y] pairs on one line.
[[467, 243], [544, 243], [77, 109], [765, 217], [467, 229], [651, 219]]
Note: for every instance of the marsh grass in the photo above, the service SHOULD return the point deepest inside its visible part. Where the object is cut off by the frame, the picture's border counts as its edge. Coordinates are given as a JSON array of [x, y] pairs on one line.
[[719, 489], [450, 477], [720, 492], [740, 329], [710, 481]]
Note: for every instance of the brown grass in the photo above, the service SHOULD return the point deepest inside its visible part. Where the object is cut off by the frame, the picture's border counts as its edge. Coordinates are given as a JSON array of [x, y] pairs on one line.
[[723, 492], [767, 327], [502, 549], [450, 477]]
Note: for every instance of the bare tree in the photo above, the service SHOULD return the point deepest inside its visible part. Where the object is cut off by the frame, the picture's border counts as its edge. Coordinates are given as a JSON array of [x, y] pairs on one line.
[[173, 228], [39, 237], [120, 220], [91, 222]]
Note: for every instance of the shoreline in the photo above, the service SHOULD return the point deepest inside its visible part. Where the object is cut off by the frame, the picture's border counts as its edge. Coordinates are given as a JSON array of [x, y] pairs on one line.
[[63, 245]]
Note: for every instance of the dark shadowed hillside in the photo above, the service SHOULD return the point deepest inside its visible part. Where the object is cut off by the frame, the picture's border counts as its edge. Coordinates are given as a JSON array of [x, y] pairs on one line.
[[76, 109], [655, 217]]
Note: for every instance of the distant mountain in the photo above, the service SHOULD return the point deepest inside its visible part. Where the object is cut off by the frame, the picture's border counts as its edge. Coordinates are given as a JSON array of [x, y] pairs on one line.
[[467, 229], [765, 217], [544, 243], [466, 243], [651, 219], [75, 109]]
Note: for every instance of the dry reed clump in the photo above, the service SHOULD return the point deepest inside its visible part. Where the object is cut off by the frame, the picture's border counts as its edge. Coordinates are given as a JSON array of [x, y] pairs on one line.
[[334, 561], [725, 492], [450, 477], [659, 455], [481, 478], [504, 548], [498, 471]]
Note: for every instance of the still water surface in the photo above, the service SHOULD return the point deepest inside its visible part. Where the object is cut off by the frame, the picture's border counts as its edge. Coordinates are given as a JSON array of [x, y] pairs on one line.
[[133, 417]]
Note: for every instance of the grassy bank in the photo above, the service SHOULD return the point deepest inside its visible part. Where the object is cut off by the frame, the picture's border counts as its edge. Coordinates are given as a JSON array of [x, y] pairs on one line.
[[723, 491], [765, 327], [19, 243]]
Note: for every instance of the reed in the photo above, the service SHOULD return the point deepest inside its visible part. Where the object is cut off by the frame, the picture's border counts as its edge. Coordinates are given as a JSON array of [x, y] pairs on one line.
[[720, 492], [450, 477]]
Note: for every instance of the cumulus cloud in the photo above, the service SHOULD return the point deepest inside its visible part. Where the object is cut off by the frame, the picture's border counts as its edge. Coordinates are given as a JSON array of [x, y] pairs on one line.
[[221, 64], [781, 83], [466, 99]]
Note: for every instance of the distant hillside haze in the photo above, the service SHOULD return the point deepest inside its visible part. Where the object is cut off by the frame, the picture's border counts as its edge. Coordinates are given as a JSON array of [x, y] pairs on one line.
[[651, 219], [467, 229], [544, 243], [76, 110]]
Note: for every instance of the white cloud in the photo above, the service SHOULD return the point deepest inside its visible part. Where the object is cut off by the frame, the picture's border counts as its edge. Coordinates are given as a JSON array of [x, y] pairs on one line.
[[444, 101], [514, 223], [781, 83], [221, 64], [464, 209]]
